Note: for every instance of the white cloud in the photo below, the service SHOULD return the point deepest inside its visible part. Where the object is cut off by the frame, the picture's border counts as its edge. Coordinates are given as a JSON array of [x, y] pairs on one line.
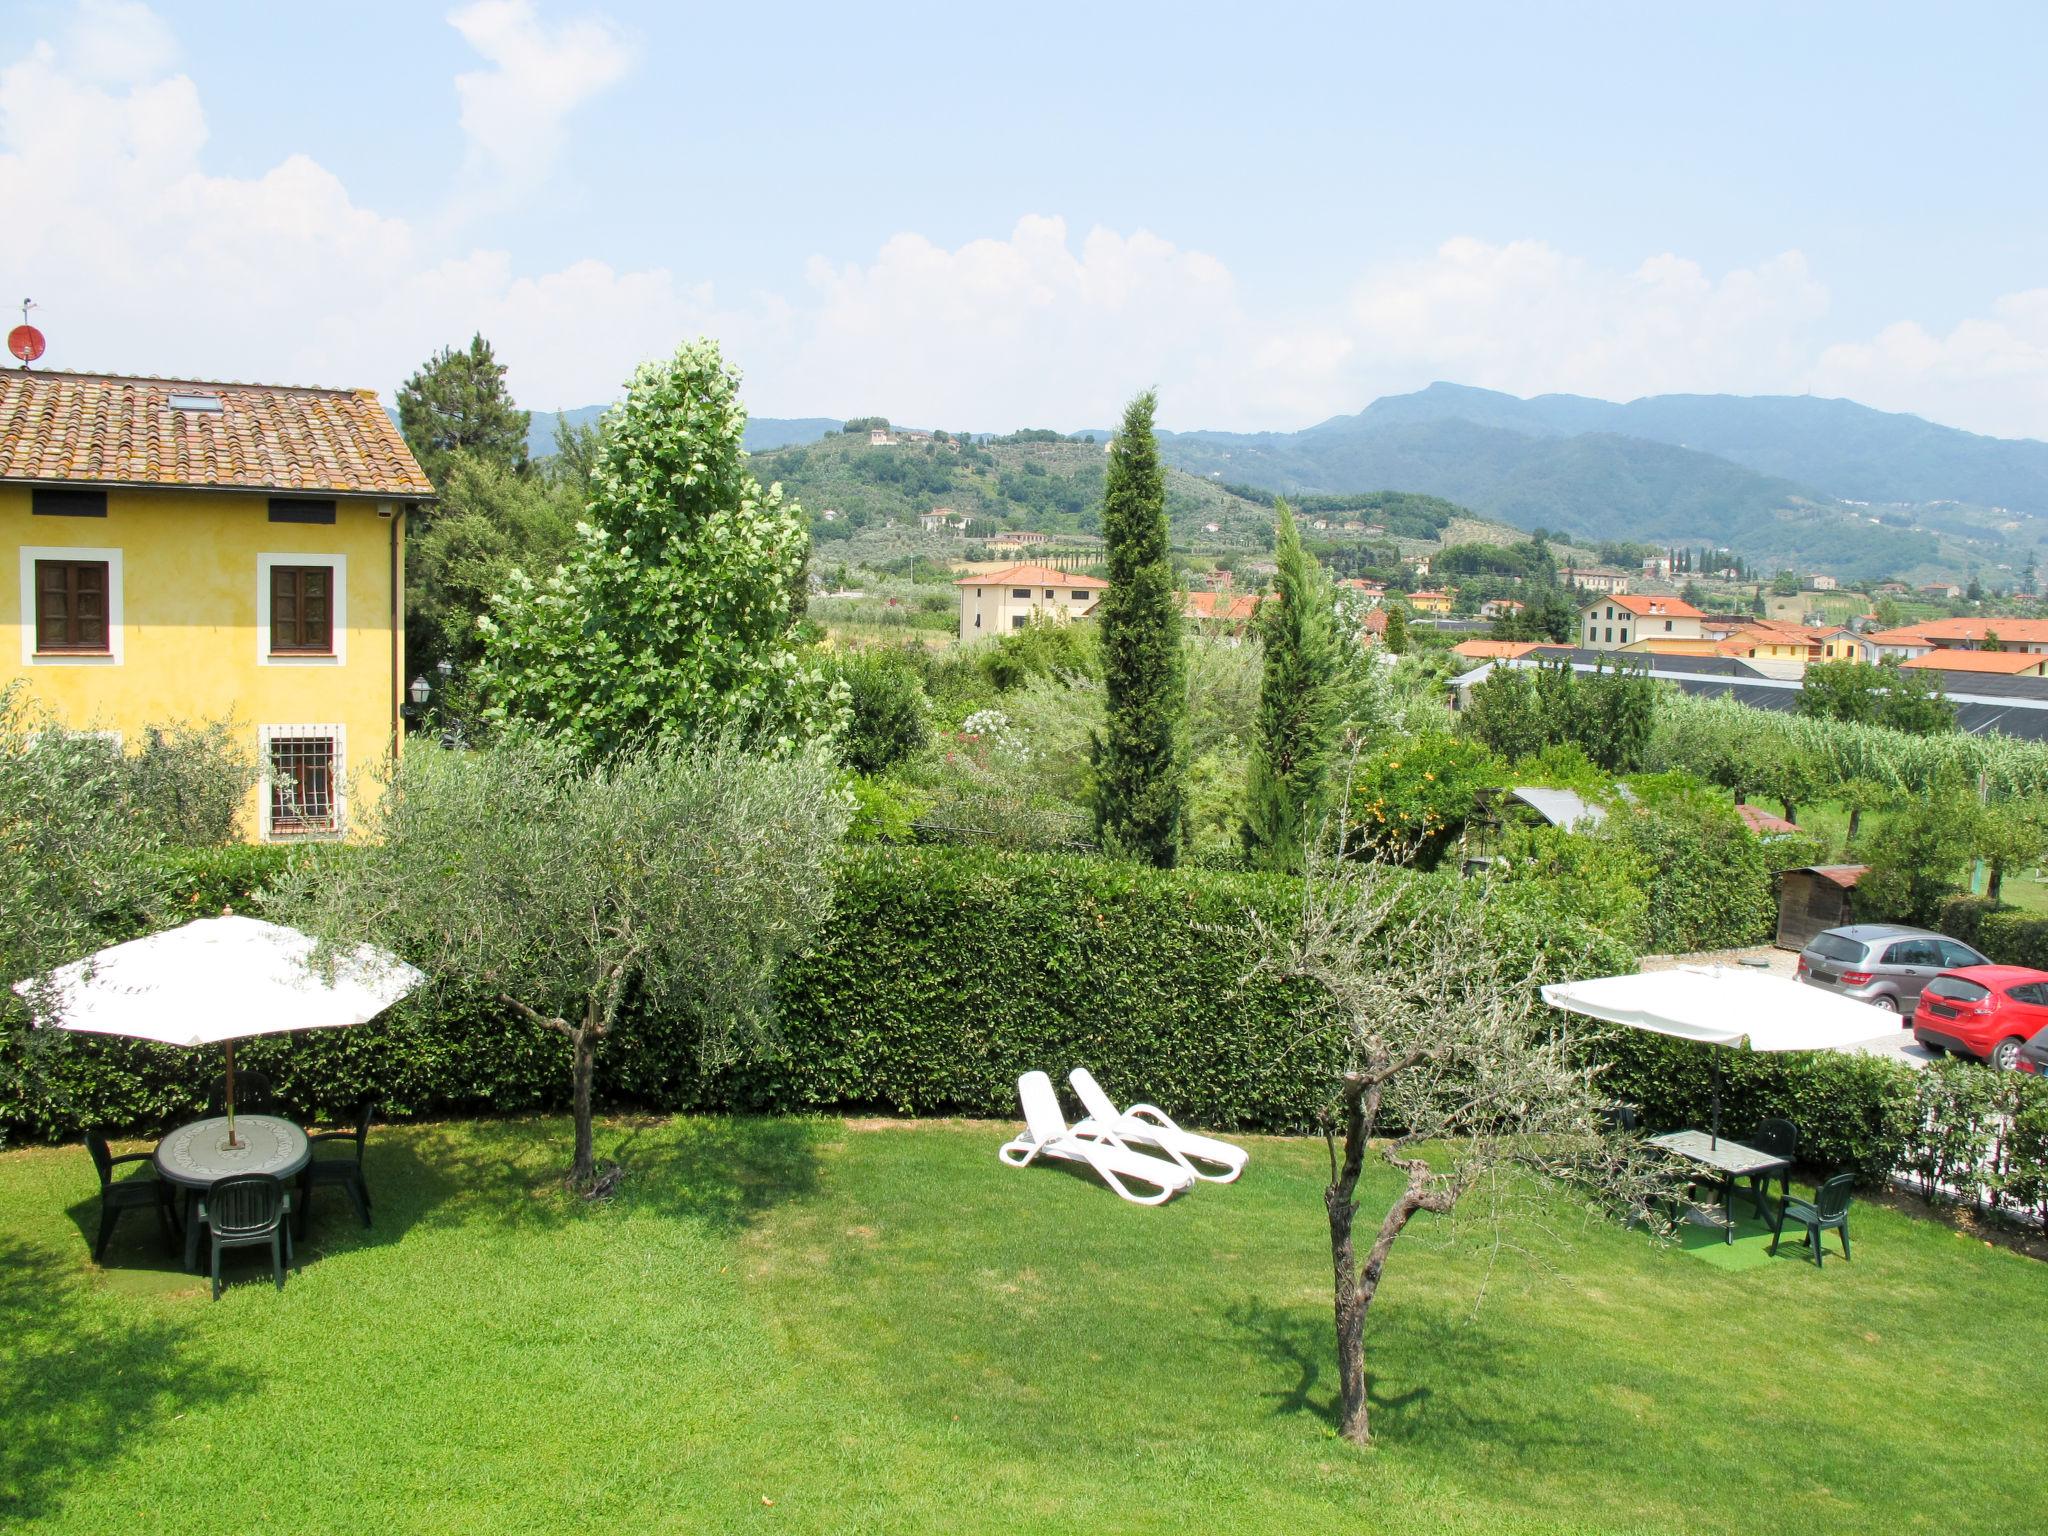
[[1022, 330], [119, 42], [1526, 317], [143, 261], [1989, 373], [514, 113]]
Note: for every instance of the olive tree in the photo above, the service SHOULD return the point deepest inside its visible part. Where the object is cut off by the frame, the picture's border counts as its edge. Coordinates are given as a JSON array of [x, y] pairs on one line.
[[72, 854], [677, 875], [1452, 1073]]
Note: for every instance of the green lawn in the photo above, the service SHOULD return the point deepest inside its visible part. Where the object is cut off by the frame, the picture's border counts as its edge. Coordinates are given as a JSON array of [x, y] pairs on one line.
[[879, 1328]]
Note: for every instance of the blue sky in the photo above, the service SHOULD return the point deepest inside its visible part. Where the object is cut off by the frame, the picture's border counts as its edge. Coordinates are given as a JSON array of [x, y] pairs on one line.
[[1272, 213]]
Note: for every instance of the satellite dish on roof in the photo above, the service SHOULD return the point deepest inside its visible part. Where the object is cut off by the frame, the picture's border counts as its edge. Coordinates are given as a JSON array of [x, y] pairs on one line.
[[25, 342]]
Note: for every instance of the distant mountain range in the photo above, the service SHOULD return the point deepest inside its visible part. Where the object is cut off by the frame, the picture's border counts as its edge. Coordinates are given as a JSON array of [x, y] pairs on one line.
[[763, 432], [1785, 479]]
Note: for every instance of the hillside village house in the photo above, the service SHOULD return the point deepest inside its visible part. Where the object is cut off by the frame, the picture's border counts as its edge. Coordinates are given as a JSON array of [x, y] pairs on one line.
[[1499, 607], [1232, 613], [1598, 578], [1616, 622], [1910, 640], [1818, 583], [213, 552], [997, 602], [1430, 602]]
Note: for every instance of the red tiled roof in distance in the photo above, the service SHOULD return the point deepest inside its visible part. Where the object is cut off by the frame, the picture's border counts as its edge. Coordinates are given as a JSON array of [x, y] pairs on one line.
[[1927, 631], [1951, 659], [1647, 607], [1485, 650], [1029, 576], [92, 429]]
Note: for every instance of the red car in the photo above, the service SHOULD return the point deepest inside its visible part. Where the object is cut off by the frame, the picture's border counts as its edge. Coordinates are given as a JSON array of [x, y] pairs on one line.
[[1986, 1011]]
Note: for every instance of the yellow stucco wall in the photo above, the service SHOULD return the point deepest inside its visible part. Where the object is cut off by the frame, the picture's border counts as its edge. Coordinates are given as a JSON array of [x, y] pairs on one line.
[[190, 606]]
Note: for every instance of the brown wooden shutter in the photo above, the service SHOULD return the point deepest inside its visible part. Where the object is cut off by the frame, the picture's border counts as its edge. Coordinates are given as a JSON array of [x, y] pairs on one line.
[[71, 605], [301, 608]]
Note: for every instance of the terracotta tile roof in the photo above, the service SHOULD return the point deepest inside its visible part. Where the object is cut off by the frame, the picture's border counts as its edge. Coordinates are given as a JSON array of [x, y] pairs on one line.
[[101, 430], [1485, 650], [2024, 631], [1220, 605], [1030, 576], [1648, 607], [1950, 659], [1763, 822]]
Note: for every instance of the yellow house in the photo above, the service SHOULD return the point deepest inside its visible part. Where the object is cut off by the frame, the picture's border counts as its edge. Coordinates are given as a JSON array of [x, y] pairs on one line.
[[997, 602], [191, 551], [1430, 602]]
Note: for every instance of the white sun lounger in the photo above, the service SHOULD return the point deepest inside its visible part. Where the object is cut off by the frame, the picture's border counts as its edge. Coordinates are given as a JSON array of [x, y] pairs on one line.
[[1046, 1135], [1146, 1126]]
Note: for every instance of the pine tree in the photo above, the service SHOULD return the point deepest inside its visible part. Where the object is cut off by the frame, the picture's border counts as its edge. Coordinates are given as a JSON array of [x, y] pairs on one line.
[[458, 403], [1290, 756], [1140, 767]]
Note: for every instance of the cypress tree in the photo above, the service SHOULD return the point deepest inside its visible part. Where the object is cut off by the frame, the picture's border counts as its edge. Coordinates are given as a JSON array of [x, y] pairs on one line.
[[1140, 766], [1290, 755]]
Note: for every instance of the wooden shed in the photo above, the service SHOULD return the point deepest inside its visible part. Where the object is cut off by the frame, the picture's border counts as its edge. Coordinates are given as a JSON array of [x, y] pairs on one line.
[[1814, 899]]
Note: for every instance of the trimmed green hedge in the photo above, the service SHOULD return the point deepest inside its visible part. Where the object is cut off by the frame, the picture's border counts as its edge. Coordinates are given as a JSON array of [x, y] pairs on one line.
[[947, 973]]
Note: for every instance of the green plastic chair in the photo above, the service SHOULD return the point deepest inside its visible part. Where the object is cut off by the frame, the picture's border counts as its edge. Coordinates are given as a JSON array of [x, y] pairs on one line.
[[1828, 1208], [1780, 1138], [346, 1171], [249, 1210], [131, 1194]]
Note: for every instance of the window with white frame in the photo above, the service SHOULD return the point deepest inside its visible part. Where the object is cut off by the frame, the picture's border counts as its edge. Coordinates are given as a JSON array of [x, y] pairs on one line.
[[70, 606], [301, 610], [303, 777]]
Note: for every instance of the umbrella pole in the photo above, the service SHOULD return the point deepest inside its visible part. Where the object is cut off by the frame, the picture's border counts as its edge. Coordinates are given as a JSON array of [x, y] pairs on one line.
[[231, 1098], [1713, 1137]]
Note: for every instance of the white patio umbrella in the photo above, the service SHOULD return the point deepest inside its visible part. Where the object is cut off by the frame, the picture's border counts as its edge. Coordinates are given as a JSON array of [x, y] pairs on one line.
[[1724, 1005], [212, 982]]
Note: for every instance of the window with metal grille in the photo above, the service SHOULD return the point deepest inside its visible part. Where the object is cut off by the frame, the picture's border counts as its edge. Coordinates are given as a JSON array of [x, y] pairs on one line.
[[303, 793], [301, 608], [71, 605]]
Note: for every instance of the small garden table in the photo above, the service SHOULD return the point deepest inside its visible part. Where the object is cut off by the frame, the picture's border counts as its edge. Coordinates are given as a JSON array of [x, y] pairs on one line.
[[194, 1155], [1729, 1161]]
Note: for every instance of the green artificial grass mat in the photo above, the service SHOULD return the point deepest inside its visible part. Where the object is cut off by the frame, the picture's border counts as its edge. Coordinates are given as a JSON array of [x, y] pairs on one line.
[[819, 1325]]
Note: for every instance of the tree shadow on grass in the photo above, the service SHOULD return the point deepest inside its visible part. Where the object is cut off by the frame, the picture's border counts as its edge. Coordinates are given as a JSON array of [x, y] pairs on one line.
[[722, 1174], [1300, 1343], [78, 1385], [1437, 1379]]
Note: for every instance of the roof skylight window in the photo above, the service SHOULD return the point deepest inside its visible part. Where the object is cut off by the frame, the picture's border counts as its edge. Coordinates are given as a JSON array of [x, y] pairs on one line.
[[194, 401]]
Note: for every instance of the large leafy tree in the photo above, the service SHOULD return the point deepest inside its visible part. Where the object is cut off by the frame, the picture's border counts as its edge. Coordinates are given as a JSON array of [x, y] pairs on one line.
[[680, 875], [457, 403], [489, 523], [1140, 767], [675, 613], [1299, 702], [1885, 694]]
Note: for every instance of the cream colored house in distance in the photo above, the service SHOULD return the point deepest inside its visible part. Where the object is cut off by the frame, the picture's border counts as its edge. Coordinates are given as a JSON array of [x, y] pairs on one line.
[[997, 602], [1619, 621]]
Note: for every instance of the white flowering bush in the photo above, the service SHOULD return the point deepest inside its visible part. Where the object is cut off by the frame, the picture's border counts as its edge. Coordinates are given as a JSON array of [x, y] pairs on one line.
[[675, 614]]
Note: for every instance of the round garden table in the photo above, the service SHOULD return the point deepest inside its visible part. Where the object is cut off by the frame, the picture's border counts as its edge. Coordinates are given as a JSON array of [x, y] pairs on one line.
[[194, 1155]]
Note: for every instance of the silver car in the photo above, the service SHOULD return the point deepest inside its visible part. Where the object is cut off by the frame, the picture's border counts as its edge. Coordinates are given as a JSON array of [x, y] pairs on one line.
[[1882, 963]]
